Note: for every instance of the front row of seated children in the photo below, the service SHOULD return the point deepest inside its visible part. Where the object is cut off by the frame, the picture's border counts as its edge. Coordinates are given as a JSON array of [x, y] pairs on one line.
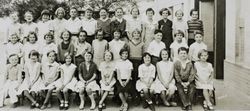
[[180, 75]]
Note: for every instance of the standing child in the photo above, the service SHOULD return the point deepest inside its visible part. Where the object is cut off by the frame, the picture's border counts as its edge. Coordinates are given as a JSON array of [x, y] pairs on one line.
[[204, 77], [180, 24], [178, 42], [156, 46], [13, 46], [50, 72], [165, 83], [87, 82], [184, 73], [124, 85], [43, 26], [29, 26], [134, 22], [119, 23], [99, 47], [49, 45], [66, 82], [104, 23], [12, 81], [14, 26], [32, 81], [194, 25], [166, 26], [81, 47], [146, 75], [107, 68], [197, 46], [65, 46], [116, 44]]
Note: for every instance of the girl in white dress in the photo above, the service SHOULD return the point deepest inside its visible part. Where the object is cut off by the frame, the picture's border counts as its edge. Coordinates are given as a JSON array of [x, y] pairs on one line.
[[204, 77], [165, 83], [48, 46], [107, 68], [28, 26], [32, 81], [146, 74], [66, 82]]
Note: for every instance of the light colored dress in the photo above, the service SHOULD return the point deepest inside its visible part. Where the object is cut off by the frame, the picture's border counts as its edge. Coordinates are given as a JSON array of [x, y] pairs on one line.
[[149, 28], [98, 51], [202, 76], [28, 47], [115, 47], [165, 69], [58, 26], [145, 73], [49, 72], [107, 70], [43, 28], [45, 49]]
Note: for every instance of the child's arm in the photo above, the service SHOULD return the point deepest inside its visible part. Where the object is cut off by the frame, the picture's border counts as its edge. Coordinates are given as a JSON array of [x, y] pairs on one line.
[[171, 76], [177, 72], [119, 77], [111, 77], [143, 33], [71, 77], [172, 53], [92, 78], [38, 71], [192, 73], [27, 75], [191, 51], [129, 76], [19, 76], [80, 74]]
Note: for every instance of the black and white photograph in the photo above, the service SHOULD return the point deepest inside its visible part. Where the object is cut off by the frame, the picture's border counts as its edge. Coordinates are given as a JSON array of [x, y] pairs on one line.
[[124, 55]]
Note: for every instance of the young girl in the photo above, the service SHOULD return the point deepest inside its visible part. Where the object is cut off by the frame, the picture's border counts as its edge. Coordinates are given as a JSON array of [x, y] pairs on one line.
[[81, 47], [134, 23], [124, 68], [107, 68], [116, 44], [146, 75], [12, 81], [166, 26], [30, 45], [104, 24], [87, 76], [119, 23], [180, 24], [58, 25], [32, 81], [99, 47], [43, 26], [29, 26], [13, 46], [48, 46], [165, 83], [179, 42], [14, 27], [50, 72], [65, 46], [66, 82], [149, 27], [204, 77]]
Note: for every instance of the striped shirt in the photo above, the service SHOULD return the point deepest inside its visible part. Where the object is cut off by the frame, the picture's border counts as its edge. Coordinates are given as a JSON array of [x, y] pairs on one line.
[[194, 25]]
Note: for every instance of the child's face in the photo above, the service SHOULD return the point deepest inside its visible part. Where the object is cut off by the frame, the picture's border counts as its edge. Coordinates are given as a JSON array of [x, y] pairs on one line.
[[136, 35], [165, 14], [68, 60], [119, 13], [87, 57], [82, 37], [103, 14], [135, 13], [99, 35], [183, 55], [124, 55], [60, 14], [158, 37], [33, 58], [28, 17], [107, 56], [48, 39], [150, 14], [52, 57], [164, 55], [32, 38], [13, 38], [147, 59], [88, 14], [45, 17], [65, 36], [117, 35], [14, 60], [198, 38], [73, 13], [194, 15], [178, 37], [14, 17], [179, 15], [204, 56]]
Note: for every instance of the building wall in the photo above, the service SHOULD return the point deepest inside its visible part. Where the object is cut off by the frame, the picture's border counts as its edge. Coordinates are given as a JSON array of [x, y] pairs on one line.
[[237, 60]]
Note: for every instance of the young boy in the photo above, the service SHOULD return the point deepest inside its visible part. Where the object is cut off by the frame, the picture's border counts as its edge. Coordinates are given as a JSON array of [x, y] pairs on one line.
[[12, 81], [197, 46], [184, 73], [156, 46], [194, 25], [180, 41]]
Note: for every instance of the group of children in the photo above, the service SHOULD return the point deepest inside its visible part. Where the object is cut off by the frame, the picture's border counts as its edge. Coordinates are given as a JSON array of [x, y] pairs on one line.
[[88, 56]]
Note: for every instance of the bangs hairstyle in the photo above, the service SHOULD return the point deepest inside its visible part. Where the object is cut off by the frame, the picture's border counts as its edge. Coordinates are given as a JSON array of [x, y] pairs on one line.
[[68, 33], [119, 8], [157, 31], [166, 51], [124, 50], [183, 49], [202, 51], [74, 8], [82, 31], [179, 32], [49, 34], [89, 53], [182, 13], [67, 54], [150, 9], [99, 30], [32, 33], [193, 10], [18, 38], [165, 9], [34, 53], [51, 51], [117, 30], [138, 11], [146, 54], [105, 9], [28, 12], [112, 55], [60, 9], [12, 55], [198, 32], [136, 30]]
